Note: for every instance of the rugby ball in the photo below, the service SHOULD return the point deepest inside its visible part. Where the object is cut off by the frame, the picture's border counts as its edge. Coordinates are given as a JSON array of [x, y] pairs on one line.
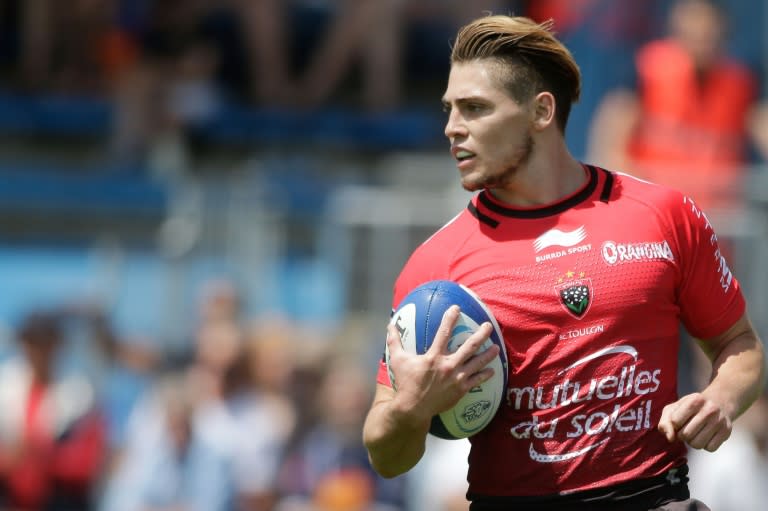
[[418, 318]]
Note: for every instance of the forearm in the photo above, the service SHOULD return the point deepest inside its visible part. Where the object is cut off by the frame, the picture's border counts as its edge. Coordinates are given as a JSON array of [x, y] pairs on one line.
[[738, 374], [395, 443]]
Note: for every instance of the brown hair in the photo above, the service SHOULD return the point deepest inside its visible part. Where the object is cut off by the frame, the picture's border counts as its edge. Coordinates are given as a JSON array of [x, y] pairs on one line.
[[531, 59]]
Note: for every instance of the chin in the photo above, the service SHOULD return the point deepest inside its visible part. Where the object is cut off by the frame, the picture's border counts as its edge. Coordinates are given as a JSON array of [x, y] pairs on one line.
[[473, 180], [472, 185]]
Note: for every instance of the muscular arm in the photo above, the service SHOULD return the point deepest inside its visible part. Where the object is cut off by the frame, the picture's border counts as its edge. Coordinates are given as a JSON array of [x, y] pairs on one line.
[[704, 419], [394, 441], [738, 366]]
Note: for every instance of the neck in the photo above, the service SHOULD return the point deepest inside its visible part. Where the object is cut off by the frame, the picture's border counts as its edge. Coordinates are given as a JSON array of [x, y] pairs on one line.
[[550, 174]]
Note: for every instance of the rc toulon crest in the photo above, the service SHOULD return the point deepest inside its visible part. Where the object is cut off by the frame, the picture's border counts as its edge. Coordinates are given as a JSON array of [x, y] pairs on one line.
[[575, 293]]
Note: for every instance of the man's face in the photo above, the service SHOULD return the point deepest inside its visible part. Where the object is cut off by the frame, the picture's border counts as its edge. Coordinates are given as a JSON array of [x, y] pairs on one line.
[[490, 133]]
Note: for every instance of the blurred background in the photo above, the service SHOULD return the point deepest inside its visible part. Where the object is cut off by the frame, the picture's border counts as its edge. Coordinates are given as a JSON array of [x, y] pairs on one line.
[[204, 205]]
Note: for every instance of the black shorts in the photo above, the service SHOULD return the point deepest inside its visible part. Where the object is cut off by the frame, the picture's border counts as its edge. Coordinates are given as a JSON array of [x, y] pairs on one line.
[[667, 492]]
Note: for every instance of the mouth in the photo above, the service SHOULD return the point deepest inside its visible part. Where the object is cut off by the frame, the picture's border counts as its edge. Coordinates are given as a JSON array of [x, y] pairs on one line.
[[463, 157]]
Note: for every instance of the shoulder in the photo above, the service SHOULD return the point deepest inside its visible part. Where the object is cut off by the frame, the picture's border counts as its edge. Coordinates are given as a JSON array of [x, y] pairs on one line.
[[660, 207], [640, 204], [652, 196]]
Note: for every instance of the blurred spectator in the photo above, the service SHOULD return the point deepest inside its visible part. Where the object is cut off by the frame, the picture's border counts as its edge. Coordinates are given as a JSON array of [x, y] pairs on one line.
[[690, 122], [733, 478], [327, 468], [218, 337], [276, 354], [52, 437], [194, 57], [166, 465], [209, 415], [61, 44], [241, 379], [601, 34], [249, 428], [295, 64], [121, 371], [190, 59]]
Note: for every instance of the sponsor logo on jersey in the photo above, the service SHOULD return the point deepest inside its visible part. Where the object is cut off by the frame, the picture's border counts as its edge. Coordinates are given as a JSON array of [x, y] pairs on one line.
[[603, 401], [617, 253], [575, 293], [568, 241], [556, 237]]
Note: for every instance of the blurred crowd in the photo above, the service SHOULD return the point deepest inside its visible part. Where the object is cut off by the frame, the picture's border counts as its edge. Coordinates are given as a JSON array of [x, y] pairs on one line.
[[169, 67], [256, 414]]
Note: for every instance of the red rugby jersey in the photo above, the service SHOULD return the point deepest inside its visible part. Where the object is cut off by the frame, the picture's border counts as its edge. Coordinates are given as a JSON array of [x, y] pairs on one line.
[[589, 293]]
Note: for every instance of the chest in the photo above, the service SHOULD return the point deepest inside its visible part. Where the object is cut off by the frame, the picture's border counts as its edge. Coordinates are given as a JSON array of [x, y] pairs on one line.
[[555, 287]]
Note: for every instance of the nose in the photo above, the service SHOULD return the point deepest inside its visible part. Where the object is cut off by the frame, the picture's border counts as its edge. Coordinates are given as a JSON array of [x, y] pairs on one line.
[[454, 126]]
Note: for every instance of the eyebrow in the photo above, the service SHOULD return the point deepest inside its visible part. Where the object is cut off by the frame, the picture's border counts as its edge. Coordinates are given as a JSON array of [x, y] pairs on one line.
[[463, 99]]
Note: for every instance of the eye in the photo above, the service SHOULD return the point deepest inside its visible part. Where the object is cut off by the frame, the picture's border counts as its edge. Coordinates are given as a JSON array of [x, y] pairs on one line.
[[446, 108], [474, 107]]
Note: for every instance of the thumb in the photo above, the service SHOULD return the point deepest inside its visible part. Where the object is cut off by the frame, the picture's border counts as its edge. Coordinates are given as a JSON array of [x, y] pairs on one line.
[[394, 343]]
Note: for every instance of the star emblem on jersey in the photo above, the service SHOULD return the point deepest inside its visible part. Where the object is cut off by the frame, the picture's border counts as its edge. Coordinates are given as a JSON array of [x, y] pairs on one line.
[[575, 293]]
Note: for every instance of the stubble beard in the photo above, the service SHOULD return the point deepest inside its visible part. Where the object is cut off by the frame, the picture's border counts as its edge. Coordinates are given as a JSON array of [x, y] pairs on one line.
[[502, 179]]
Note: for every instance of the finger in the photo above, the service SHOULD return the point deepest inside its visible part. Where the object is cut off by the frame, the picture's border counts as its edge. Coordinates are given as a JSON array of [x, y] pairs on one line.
[[474, 342], [394, 343], [684, 409], [665, 424], [479, 378], [704, 427], [668, 431], [717, 440], [680, 416], [699, 436], [676, 415], [478, 362], [444, 331], [696, 432]]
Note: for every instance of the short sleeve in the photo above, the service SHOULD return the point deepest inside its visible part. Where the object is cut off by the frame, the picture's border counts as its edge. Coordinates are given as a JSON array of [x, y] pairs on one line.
[[382, 375], [710, 297]]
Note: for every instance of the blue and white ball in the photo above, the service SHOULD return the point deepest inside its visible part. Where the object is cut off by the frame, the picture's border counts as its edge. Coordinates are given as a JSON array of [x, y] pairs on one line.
[[418, 318]]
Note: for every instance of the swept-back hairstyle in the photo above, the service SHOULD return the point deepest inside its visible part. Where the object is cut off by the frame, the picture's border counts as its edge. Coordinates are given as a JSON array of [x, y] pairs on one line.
[[531, 59]]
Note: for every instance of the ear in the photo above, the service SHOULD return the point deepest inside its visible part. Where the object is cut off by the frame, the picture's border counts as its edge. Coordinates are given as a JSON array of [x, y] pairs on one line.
[[543, 110]]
